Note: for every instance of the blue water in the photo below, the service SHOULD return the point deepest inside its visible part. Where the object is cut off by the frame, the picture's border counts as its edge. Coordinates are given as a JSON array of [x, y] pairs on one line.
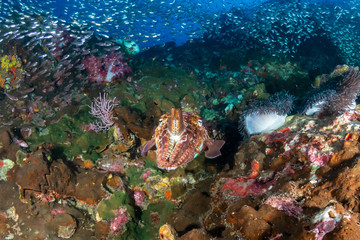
[[234, 23], [167, 21]]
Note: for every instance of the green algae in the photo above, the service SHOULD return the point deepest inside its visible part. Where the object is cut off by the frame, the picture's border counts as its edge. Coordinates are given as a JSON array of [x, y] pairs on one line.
[[106, 208], [20, 157], [70, 138], [209, 114], [159, 85], [258, 91], [154, 217], [151, 219], [134, 173]]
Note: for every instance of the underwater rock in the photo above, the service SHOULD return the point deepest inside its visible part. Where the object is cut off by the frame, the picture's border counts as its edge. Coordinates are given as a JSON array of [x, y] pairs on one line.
[[128, 121], [41, 175], [61, 178], [252, 224], [32, 176], [195, 234], [88, 186], [347, 228], [195, 205], [114, 183], [164, 104], [287, 156], [63, 225], [9, 144], [350, 149], [246, 155], [102, 230]]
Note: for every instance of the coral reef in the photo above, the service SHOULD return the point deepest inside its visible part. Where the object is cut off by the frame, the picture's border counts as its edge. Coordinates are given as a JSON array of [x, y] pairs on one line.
[[79, 110]]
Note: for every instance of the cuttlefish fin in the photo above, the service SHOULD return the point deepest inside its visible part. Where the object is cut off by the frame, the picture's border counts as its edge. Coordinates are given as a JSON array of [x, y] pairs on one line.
[[214, 147], [144, 149]]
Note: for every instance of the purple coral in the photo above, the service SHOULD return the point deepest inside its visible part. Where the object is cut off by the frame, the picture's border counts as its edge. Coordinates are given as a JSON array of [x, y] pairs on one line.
[[101, 108], [326, 221], [111, 163], [247, 186], [316, 158], [106, 68], [285, 204]]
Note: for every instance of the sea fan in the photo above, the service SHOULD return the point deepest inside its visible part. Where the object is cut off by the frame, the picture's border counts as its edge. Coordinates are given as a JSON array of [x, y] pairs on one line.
[[335, 102], [266, 116]]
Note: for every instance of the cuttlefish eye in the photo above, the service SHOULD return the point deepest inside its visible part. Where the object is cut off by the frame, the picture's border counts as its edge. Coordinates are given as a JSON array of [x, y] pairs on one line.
[[200, 122], [160, 120]]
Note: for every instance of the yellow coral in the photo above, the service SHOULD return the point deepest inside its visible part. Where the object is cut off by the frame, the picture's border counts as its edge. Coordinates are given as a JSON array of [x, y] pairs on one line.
[[167, 232], [339, 70], [7, 62], [2, 81], [11, 72]]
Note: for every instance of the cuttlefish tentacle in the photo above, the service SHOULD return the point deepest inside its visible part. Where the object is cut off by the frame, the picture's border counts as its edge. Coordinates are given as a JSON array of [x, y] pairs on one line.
[[168, 149], [179, 148]]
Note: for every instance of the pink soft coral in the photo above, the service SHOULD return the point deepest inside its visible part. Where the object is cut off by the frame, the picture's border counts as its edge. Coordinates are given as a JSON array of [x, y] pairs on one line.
[[285, 204], [118, 224], [316, 158], [106, 68]]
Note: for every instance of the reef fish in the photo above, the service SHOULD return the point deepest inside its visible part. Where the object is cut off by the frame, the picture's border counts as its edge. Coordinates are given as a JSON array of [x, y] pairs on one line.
[[179, 138]]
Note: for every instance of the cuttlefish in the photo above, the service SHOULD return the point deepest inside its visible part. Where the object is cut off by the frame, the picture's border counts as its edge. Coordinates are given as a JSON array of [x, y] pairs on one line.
[[179, 138]]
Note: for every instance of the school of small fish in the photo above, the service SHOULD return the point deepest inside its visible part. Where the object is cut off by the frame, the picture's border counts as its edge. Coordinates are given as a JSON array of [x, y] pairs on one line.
[[58, 35], [281, 27]]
